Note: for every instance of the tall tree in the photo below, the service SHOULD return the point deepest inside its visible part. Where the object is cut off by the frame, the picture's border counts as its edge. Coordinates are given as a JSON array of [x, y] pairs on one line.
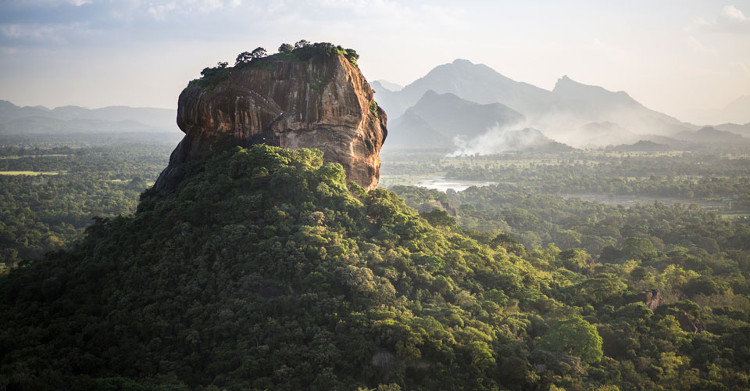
[[576, 337]]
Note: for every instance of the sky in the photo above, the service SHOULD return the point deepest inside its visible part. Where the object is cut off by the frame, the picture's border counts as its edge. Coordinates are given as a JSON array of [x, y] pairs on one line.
[[681, 57]]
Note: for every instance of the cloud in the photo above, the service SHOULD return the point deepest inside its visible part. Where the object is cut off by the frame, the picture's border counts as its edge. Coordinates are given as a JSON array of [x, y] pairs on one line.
[[699, 46], [108, 22], [731, 12], [160, 11], [730, 20], [56, 3], [40, 34]]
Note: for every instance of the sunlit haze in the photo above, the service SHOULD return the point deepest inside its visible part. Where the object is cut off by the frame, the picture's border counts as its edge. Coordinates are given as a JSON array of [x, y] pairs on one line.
[[683, 58]]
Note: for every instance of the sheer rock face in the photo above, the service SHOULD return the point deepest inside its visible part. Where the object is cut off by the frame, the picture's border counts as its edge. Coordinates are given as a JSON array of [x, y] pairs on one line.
[[323, 103]]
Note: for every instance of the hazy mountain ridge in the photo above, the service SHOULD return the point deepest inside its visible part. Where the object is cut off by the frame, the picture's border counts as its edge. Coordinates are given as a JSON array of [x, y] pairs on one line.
[[710, 134], [410, 131], [436, 120], [597, 104], [574, 92], [640, 146], [469, 81], [75, 119], [46, 125], [737, 112], [385, 84], [603, 133], [574, 113], [743, 130]]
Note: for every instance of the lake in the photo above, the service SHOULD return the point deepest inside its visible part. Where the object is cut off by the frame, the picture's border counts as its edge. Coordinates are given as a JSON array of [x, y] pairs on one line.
[[443, 184]]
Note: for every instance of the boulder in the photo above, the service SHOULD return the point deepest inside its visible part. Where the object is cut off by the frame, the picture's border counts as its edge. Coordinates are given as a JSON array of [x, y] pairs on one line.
[[322, 102]]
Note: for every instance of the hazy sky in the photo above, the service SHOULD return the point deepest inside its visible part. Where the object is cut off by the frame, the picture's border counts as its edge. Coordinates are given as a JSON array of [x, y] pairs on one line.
[[671, 55]]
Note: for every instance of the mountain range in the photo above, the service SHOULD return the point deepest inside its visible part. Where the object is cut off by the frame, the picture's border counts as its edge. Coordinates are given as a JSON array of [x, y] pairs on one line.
[[451, 108], [738, 111], [465, 96], [437, 119], [17, 120]]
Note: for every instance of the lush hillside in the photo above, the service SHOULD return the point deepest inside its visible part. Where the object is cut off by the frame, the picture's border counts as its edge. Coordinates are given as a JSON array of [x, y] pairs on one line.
[[265, 270]]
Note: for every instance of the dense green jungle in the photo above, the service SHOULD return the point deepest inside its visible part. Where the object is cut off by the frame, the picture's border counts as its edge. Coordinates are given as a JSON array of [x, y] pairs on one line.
[[267, 270]]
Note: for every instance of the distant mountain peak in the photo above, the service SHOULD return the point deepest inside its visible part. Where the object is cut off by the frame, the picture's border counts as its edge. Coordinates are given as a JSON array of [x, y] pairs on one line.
[[473, 82], [711, 131], [737, 112], [379, 85], [76, 119], [709, 134], [430, 97], [571, 89], [464, 65], [565, 82], [462, 61], [558, 113]]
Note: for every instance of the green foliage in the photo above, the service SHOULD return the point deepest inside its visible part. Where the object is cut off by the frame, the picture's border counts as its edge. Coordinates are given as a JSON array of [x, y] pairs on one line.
[[301, 51], [576, 337], [350, 55], [243, 58], [304, 51], [258, 52], [612, 257], [577, 260], [48, 213], [286, 48], [262, 270], [211, 76], [440, 218], [374, 109], [259, 57], [638, 248], [265, 269]]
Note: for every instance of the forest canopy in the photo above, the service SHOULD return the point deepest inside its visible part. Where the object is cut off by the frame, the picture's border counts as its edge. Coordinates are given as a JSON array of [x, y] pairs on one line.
[[265, 269]]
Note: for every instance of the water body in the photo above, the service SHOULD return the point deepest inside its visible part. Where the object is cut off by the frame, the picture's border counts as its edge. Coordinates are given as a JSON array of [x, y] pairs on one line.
[[443, 184]]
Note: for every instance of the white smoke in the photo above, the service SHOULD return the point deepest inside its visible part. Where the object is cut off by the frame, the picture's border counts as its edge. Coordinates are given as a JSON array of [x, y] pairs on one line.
[[499, 139], [590, 129]]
